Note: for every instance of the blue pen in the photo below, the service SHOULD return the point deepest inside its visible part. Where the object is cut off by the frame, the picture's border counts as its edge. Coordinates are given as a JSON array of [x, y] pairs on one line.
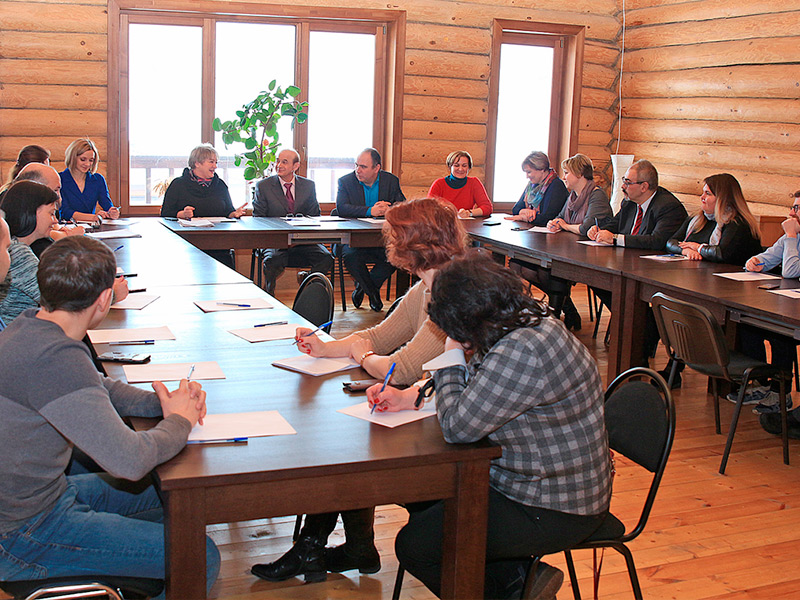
[[233, 304], [118, 248], [383, 387], [759, 264], [323, 326], [273, 323], [239, 440]]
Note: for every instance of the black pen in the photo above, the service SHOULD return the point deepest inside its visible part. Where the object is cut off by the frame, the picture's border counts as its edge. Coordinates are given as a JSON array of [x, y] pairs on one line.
[[136, 343], [273, 323]]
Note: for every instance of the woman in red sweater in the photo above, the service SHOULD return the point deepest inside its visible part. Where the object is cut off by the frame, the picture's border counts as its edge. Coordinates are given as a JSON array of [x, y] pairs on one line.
[[467, 194]]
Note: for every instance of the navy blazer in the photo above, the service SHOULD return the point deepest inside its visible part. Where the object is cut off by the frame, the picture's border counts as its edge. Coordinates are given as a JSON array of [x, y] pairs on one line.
[[270, 198], [350, 200], [663, 218]]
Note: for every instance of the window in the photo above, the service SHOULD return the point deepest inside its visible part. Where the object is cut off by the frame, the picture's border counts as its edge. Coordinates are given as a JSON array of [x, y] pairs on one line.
[[532, 93], [176, 69]]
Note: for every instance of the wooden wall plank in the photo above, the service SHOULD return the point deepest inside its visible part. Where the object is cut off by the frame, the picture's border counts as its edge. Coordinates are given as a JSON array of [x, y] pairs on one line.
[[53, 97], [468, 40], [53, 72], [57, 144], [55, 46], [446, 87], [77, 123], [702, 10], [76, 18], [451, 110], [595, 138], [445, 64], [596, 119], [423, 175], [601, 53], [765, 110], [430, 130], [598, 98], [598, 76], [428, 151]]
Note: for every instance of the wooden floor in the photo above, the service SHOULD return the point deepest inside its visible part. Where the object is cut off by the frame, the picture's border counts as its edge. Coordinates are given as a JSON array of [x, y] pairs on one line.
[[709, 536]]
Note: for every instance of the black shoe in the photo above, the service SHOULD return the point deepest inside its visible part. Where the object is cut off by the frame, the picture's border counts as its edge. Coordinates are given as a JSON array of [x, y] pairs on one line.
[[346, 558], [771, 423], [375, 303], [544, 584], [677, 382], [357, 297], [306, 557], [572, 321], [301, 276]]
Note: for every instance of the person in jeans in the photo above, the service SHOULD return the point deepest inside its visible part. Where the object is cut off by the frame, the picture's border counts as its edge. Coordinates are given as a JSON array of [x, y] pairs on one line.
[[51, 524]]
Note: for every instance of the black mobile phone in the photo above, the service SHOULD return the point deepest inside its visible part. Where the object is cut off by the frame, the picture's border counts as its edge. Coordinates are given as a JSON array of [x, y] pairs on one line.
[[769, 286], [490, 223], [125, 357], [359, 386]]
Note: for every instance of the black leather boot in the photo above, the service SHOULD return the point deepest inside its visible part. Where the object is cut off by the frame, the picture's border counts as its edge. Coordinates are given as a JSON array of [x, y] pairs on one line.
[[306, 557], [358, 551], [572, 318]]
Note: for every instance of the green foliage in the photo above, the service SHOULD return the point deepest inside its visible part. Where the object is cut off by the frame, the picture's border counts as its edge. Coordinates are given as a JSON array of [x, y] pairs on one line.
[[256, 126]]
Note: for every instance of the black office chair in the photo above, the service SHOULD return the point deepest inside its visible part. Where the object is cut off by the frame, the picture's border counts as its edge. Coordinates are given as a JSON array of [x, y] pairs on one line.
[[84, 586], [314, 300], [692, 336], [640, 420]]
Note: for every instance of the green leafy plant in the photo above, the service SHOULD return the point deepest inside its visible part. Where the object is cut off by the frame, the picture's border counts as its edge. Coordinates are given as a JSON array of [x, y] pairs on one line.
[[256, 126]]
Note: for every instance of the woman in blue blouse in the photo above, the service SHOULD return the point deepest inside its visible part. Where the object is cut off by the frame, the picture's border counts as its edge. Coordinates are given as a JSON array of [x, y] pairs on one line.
[[82, 187], [545, 194]]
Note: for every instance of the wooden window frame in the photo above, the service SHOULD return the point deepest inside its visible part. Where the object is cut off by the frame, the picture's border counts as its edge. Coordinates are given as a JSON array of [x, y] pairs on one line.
[[388, 25], [565, 106]]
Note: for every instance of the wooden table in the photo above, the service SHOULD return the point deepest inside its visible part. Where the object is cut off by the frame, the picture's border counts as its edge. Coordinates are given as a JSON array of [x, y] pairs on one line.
[[334, 462]]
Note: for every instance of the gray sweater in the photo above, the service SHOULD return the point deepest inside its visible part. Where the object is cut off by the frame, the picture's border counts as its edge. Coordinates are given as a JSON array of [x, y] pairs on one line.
[[51, 397]]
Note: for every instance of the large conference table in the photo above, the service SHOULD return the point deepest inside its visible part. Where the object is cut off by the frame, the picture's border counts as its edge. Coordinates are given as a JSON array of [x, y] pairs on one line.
[[334, 462]]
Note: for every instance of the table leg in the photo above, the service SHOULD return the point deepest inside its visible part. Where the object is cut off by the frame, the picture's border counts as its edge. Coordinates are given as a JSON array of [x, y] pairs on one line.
[[465, 518], [185, 543]]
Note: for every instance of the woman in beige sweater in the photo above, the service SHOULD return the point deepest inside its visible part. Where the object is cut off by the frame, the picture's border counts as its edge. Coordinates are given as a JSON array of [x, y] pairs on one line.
[[421, 236]]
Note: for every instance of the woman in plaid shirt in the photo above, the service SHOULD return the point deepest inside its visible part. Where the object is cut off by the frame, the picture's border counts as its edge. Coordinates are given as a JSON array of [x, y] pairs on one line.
[[532, 388]]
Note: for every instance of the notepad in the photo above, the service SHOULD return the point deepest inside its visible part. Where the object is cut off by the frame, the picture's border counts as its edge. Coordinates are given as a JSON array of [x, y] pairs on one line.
[[302, 222], [316, 366], [593, 243], [538, 229], [793, 293], [330, 218], [389, 419], [373, 220], [228, 304], [220, 219], [195, 223], [136, 301], [239, 427], [666, 257], [172, 371], [267, 333], [138, 334], [112, 235], [746, 276]]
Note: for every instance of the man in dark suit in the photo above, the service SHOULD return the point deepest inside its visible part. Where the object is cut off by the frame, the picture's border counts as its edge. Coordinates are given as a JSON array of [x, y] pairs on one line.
[[367, 192], [283, 194], [649, 215]]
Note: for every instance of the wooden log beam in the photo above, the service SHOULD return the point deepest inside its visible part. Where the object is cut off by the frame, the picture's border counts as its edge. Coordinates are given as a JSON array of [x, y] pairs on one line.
[[594, 138], [434, 130], [747, 81], [763, 110], [596, 119], [435, 152], [53, 97], [598, 76], [740, 52], [445, 64], [424, 174], [53, 72], [466, 40], [54, 46], [446, 87], [451, 110], [35, 122], [601, 54], [77, 18], [683, 12], [597, 98]]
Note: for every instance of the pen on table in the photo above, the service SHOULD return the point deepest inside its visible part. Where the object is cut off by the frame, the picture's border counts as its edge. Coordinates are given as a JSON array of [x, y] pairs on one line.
[[191, 370], [136, 343], [118, 248], [323, 326], [233, 304], [383, 387], [239, 440], [273, 323]]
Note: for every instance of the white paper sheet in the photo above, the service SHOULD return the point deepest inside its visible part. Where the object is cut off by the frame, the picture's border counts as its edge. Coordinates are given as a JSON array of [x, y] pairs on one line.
[[316, 366], [795, 293], [267, 333], [747, 276], [195, 223], [666, 257], [172, 371], [593, 243], [538, 229], [302, 221], [373, 220], [220, 219], [223, 304], [138, 334], [112, 235], [136, 301], [331, 219], [236, 427], [389, 419]]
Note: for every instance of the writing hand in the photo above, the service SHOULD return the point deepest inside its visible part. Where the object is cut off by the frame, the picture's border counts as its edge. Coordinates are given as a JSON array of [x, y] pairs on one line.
[[604, 237], [186, 213], [309, 344], [391, 399], [754, 265], [113, 213]]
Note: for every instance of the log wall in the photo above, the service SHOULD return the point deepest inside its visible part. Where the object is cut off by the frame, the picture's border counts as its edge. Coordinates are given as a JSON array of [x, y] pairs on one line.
[[714, 86], [53, 76]]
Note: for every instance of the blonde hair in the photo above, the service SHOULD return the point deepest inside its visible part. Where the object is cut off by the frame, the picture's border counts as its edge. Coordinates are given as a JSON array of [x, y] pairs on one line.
[[78, 147], [201, 153], [454, 156], [729, 206], [580, 165]]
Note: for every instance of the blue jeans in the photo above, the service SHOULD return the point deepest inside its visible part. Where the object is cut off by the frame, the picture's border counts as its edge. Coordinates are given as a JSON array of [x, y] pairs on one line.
[[94, 528]]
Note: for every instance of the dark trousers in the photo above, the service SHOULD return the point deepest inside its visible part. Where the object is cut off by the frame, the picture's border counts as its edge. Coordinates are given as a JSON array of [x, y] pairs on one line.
[[314, 256], [751, 341], [515, 533], [557, 289], [371, 281], [358, 526]]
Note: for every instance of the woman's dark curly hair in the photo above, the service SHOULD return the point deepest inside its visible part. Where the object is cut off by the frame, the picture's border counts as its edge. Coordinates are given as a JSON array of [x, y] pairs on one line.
[[476, 302]]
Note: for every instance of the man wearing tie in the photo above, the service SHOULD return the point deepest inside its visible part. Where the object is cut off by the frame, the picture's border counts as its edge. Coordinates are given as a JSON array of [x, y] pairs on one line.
[[649, 215], [286, 193], [367, 192]]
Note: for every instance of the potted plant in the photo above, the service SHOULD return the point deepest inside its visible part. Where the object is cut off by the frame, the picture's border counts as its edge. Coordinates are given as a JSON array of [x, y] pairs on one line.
[[256, 126]]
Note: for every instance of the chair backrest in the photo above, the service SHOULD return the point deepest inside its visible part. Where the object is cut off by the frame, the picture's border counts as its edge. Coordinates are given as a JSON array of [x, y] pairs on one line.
[[314, 300], [692, 335], [640, 420]]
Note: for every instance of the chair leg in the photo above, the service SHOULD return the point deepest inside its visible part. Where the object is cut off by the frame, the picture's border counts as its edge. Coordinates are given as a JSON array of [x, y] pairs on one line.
[[398, 583], [623, 549], [598, 311], [734, 422], [340, 260], [590, 302], [573, 576], [796, 372], [784, 426], [388, 288], [298, 525], [252, 264], [715, 391]]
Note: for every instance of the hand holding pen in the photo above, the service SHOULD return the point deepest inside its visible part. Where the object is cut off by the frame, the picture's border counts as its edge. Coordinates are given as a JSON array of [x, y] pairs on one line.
[[383, 387], [307, 342], [754, 265]]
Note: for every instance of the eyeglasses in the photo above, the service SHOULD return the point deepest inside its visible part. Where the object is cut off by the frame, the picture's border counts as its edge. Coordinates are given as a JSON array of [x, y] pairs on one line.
[[626, 181], [795, 208]]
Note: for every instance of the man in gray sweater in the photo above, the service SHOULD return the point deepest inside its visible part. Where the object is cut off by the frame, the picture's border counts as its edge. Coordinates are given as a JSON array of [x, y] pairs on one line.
[[51, 398]]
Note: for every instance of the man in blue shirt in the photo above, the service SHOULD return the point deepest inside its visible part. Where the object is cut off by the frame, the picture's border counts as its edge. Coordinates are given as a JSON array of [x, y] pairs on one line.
[[367, 192]]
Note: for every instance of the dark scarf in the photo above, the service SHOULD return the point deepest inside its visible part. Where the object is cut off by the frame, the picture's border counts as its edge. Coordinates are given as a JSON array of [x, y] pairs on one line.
[[577, 204], [455, 182]]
